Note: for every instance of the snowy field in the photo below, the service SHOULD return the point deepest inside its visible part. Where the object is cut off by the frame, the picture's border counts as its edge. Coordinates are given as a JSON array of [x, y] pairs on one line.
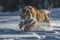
[[9, 29]]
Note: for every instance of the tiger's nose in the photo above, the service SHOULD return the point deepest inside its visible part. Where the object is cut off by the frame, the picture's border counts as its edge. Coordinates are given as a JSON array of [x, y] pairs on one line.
[[27, 10]]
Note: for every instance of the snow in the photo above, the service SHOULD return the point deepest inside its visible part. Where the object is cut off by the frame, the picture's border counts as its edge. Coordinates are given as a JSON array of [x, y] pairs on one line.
[[10, 22]]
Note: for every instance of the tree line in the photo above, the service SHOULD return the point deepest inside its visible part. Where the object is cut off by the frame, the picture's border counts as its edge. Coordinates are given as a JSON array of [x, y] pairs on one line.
[[14, 5]]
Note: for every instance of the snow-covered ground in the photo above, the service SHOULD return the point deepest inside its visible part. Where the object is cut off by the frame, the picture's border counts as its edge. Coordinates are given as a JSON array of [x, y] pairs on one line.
[[9, 22]]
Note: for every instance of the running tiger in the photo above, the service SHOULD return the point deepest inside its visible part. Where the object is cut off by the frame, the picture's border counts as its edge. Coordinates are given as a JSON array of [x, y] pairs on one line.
[[31, 17]]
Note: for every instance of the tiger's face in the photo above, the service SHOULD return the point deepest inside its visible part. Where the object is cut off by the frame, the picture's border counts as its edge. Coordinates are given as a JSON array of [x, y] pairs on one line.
[[25, 13]]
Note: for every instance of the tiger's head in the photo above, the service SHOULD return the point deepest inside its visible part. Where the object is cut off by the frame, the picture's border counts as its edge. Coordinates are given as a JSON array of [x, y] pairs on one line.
[[27, 12], [24, 13]]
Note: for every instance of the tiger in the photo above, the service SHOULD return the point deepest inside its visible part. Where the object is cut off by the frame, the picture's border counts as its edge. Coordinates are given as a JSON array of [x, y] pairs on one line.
[[30, 17]]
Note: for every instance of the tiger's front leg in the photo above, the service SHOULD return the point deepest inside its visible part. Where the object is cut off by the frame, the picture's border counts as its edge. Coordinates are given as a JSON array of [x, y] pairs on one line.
[[29, 26], [21, 24]]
